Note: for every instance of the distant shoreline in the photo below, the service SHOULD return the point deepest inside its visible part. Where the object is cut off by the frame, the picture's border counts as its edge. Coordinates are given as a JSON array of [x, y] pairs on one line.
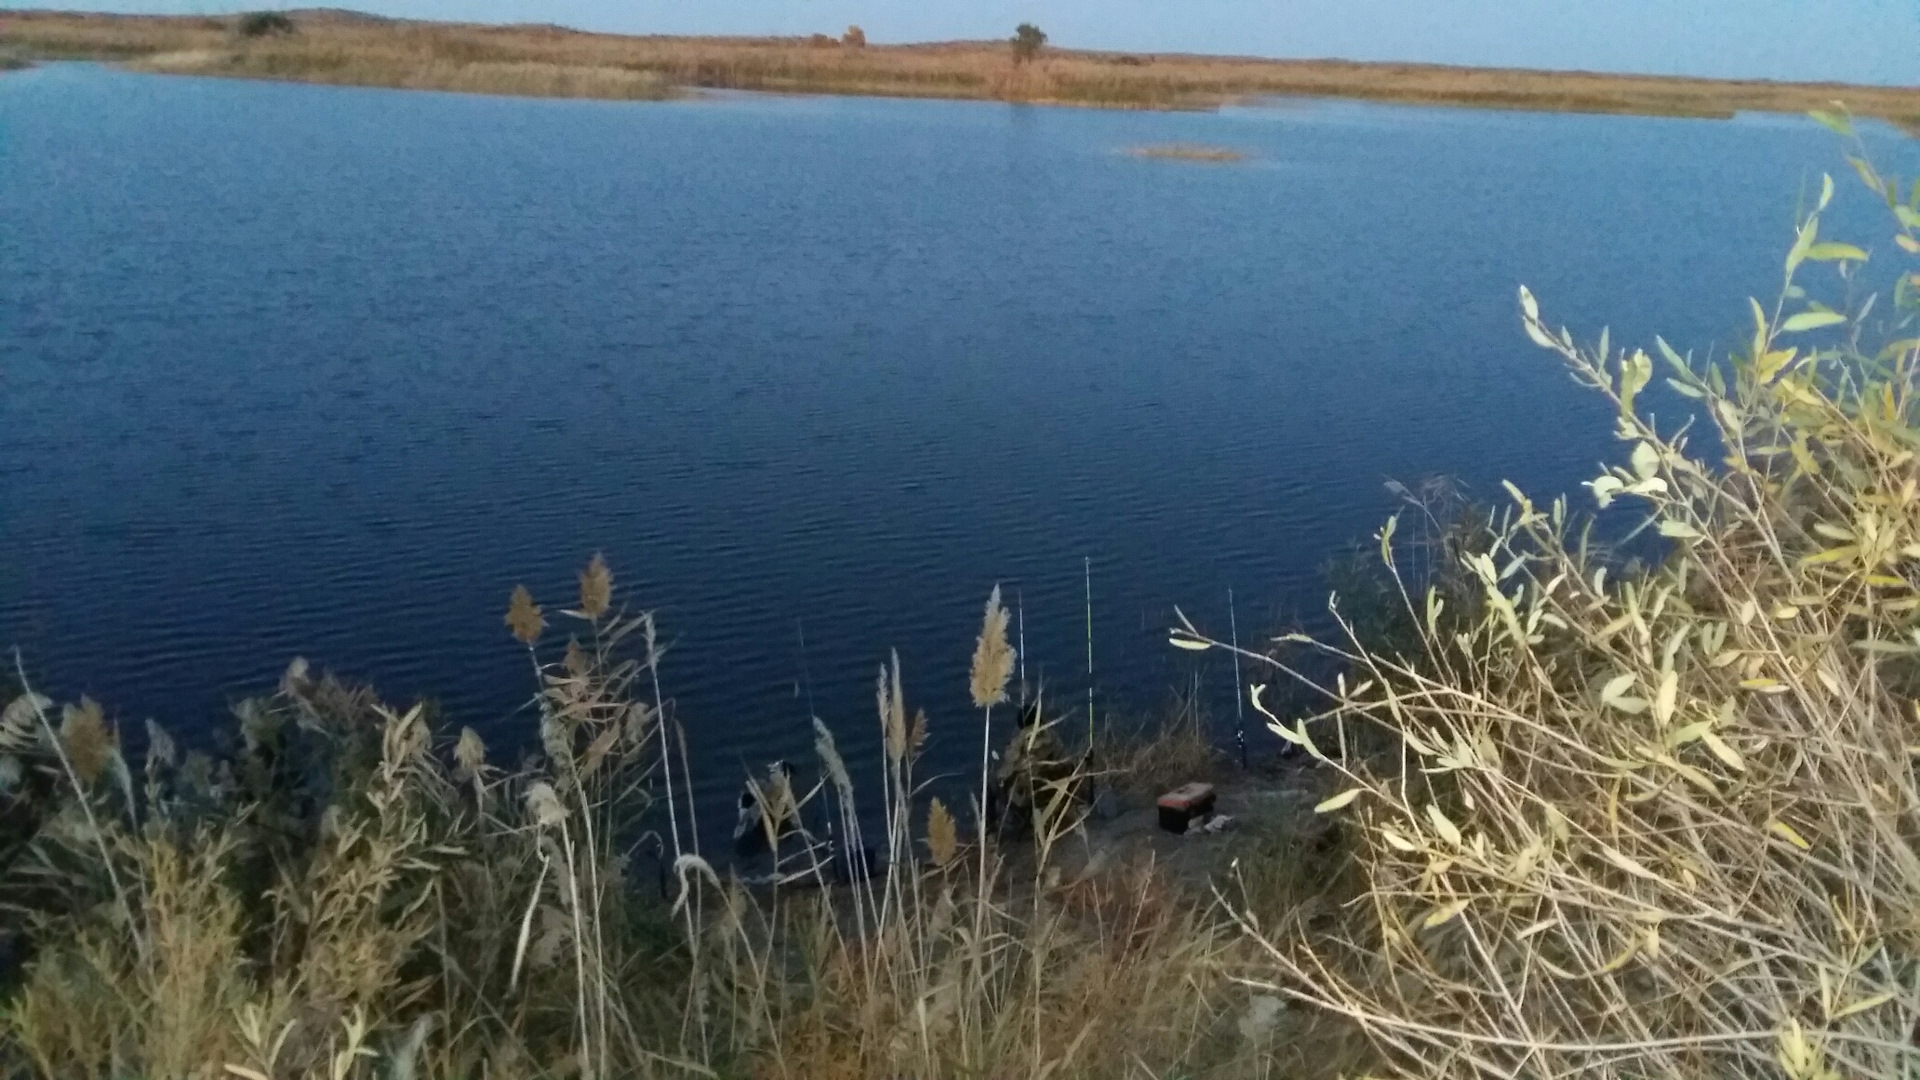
[[339, 47]]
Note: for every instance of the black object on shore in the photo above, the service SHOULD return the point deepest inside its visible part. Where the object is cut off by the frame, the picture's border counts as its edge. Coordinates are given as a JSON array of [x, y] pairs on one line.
[[759, 826], [1184, 805]]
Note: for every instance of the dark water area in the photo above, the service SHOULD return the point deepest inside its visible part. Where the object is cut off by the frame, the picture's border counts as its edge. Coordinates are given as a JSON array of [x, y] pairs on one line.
[[305, 370]]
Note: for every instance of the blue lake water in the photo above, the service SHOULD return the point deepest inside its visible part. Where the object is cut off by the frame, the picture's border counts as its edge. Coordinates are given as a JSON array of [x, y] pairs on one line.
[[305, 370]]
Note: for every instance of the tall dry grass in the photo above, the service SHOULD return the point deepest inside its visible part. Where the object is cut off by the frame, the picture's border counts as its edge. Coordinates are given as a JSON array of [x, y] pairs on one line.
[[1656, 820], [1151, 754], [331, 47], [280, 58], [354, 892], [963, 959]]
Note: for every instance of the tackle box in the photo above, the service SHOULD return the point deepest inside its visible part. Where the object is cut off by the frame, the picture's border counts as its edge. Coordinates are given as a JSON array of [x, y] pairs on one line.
[[1184, 805]]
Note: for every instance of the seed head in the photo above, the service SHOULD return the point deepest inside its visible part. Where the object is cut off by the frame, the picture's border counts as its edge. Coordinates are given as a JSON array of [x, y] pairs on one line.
[[596, 588], [893, 710], [160, 748], [576, 660], [992, 658], [470, 753], [544, 804], [941, 838], [918, 736], [83, 732], [295, 679], [556, 738], [523, 616], [823, 745]]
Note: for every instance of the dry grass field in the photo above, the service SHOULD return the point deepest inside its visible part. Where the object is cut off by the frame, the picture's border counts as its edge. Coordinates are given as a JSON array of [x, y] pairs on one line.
[[342, 47]]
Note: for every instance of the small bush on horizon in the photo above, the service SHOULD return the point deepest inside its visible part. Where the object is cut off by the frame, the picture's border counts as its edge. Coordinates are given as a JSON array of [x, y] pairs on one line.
[[257, 24], [854, 38], [1027, 41]]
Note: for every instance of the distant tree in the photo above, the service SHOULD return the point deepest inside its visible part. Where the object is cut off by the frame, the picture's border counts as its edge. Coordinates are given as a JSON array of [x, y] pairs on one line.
[[822, 41], [854, 38], [1027, 39], [264, 24]]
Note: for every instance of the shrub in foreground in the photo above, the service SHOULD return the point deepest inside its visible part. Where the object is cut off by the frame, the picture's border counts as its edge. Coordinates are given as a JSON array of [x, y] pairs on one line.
[[1657, 821]]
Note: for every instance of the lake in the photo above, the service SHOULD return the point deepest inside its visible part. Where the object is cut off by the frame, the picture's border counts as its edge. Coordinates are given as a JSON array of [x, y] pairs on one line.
[[306, 370]]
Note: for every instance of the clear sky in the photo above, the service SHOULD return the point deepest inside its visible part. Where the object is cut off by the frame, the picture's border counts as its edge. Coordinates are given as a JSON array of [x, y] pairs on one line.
[[1851, 40]]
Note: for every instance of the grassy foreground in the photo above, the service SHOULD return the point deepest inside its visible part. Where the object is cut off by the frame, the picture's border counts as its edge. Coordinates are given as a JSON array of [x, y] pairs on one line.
[[355, 893], [339, 47], [1647, 808]]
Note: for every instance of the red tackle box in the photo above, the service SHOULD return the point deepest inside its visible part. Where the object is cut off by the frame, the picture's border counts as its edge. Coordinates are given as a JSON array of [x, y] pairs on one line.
[[1184, 805]]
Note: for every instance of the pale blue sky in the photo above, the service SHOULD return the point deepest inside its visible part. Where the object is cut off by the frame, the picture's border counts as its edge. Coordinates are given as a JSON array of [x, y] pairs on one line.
[[1851, 40]]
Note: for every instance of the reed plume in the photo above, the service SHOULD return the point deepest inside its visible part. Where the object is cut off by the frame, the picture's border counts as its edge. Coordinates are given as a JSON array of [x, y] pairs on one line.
[[596, 588], [83, 731], [893, 710], [992, 666], [992, 657], [942, 842], [523, 616], [917, 735]]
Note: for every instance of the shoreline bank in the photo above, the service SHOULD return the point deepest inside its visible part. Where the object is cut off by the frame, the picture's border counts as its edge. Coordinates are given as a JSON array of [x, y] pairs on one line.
[[345, 48]]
